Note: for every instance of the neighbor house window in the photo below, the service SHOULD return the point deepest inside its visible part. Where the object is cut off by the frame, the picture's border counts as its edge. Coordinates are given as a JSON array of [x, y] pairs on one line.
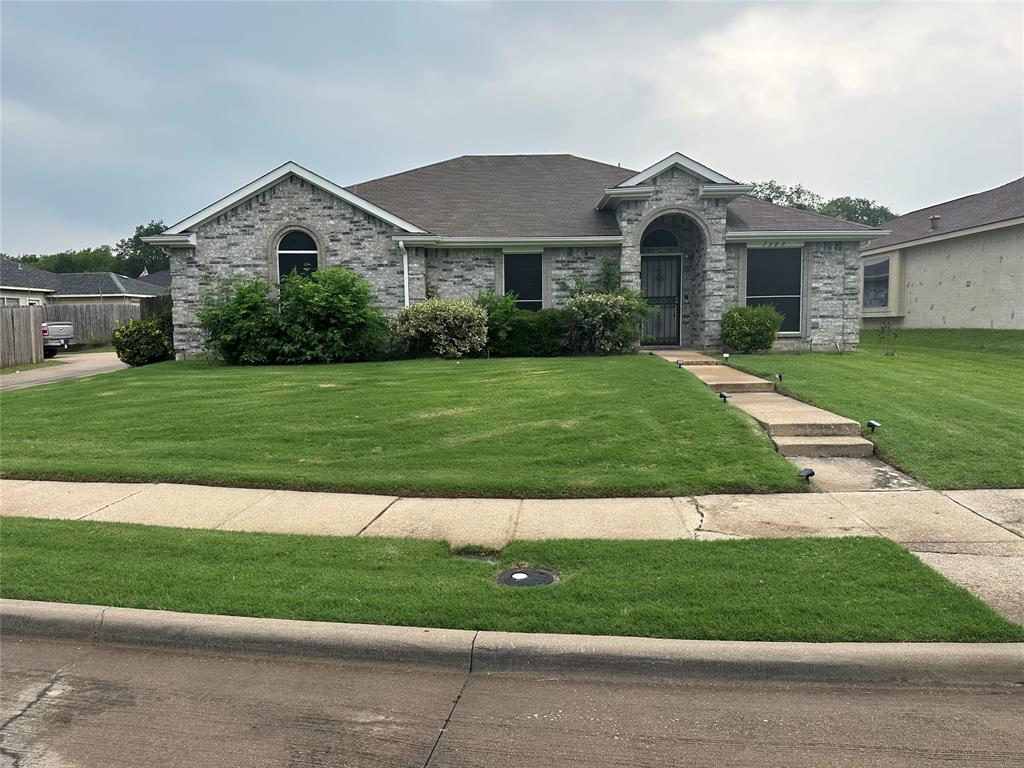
[[524, 278], [774, 277], [876, 282], [296, 252]]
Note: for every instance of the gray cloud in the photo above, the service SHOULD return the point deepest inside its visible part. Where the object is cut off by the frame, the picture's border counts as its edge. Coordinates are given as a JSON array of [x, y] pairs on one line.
[[117, 113]]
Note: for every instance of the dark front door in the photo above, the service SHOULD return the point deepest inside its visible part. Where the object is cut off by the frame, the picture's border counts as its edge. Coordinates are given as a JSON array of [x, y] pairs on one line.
[[659, 283]]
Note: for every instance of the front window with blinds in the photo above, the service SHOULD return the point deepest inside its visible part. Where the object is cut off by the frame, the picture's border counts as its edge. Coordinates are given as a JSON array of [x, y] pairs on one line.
[[774, 277], [524, 278]]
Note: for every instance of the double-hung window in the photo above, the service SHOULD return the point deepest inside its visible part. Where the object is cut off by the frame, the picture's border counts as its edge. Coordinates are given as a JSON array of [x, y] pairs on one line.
[[774, 276], [524, 278]]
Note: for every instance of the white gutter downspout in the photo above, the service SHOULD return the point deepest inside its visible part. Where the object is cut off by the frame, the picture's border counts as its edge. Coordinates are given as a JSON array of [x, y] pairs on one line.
[[405, 269]]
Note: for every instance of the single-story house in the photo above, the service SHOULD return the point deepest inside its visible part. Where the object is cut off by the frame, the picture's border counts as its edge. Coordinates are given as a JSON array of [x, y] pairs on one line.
[[685, 235], [958, 264], [25, 285]]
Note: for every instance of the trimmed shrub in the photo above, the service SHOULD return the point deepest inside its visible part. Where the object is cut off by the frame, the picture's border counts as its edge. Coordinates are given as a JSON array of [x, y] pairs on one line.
[[327, 318], [514, 332], [441, 328], [751, 329], [140, 342], [605, 323], [242, 323]]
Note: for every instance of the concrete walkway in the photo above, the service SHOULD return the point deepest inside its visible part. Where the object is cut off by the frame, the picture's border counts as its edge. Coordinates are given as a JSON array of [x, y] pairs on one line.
[[72, 366], [975, 538]]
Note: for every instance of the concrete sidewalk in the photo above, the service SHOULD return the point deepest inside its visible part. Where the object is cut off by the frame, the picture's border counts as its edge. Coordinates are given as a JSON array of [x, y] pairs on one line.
[[975, 538]]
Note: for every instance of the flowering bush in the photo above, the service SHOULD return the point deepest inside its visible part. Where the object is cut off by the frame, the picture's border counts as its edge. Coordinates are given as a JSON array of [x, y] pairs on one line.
[[441, 328]]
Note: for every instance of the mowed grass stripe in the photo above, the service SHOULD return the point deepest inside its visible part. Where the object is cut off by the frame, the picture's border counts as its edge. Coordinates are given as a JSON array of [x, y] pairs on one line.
[[562, 427], [951, 403], [821, 590]]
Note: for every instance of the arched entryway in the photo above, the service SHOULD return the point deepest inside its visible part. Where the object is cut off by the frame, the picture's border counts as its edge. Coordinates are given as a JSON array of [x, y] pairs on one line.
[[669, 249]]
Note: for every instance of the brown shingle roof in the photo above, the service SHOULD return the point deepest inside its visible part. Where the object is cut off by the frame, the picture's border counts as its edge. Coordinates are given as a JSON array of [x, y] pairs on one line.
[[989, 207], [540, 196], [501, 196], [748, 214]]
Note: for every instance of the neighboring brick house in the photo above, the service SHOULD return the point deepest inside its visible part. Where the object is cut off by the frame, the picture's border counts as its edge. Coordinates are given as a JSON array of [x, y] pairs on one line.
[[683, 234], [959, 264]]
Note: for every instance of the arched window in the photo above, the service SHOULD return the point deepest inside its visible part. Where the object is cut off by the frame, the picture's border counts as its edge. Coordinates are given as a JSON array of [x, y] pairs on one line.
[[296, 251], [659, 238]]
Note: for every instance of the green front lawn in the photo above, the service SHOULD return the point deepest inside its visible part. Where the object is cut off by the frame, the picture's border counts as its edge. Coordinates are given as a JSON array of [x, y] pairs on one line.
[[951, 403], [810, 589], [618, 426]]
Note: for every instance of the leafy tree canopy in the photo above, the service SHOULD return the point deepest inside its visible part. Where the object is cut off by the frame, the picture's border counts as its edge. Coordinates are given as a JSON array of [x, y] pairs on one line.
[[129, 257], [857, 209]]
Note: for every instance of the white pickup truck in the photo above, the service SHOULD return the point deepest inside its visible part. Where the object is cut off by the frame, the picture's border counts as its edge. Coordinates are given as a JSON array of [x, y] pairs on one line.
[[57, 336]]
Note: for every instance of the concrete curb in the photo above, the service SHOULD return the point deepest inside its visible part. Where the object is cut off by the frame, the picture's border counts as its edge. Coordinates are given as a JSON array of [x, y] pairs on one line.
[[999, 664]]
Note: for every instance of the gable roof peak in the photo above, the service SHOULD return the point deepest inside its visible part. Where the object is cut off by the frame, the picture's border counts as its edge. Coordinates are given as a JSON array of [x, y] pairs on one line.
[[677, 160]]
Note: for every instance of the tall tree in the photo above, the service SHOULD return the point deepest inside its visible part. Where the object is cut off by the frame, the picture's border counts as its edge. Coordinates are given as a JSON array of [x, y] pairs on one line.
[[100, 259], [135, 256], [856, 209], [793, 196]]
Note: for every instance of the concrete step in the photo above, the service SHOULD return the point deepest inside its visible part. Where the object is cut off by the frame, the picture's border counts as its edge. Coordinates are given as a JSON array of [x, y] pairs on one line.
[[802, 445], [724, 379], [810, 428], [732, 387], [688, 356], [783, 416]]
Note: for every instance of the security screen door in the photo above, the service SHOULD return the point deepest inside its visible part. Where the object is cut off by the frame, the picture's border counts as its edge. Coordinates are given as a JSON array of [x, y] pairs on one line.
[[659, 282]]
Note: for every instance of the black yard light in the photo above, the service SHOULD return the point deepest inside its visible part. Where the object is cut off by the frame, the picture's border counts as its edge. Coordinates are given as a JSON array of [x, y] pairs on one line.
[[726, 356], [778, 376], [680, 363], [725, 397], [874, 424], [806, 474]]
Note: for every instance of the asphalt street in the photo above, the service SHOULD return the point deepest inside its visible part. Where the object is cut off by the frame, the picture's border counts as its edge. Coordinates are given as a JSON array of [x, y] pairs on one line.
[[69, 704]]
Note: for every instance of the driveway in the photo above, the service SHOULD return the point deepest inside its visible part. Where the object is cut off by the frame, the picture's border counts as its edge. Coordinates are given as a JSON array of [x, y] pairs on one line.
[[73, 366]]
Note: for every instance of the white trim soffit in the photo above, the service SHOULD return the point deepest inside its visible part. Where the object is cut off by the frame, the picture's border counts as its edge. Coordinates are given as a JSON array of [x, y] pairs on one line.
[[268, 180], [617, 194], [805, 235], [23, 288], [677, 160], [729, 191], [936, 237], [518, 243], [186, 240]]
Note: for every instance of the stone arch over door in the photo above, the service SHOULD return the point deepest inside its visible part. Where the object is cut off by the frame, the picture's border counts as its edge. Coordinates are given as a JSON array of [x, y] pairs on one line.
[[677, 191], [672, 244]]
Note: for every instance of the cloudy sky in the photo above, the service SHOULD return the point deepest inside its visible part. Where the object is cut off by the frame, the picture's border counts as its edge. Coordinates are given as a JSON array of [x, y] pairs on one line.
[[117, 113]]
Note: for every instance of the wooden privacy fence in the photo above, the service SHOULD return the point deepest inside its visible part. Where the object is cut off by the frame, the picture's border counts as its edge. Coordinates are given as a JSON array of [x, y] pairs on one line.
[[21, 336], [94, 323], [153, 306]]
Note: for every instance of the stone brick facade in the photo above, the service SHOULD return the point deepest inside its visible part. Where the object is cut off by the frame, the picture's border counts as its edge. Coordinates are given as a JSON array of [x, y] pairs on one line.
[[676, 191], [242, 241]]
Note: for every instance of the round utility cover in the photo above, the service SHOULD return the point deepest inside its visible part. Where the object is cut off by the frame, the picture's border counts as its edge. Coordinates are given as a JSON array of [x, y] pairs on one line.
[[526, 577]]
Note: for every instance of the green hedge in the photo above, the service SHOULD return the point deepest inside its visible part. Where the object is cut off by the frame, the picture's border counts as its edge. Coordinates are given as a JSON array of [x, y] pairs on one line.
[[751, 329]]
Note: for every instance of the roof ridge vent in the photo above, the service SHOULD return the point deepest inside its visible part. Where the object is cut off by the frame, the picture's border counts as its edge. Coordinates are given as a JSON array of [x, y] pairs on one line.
[[933, 221]]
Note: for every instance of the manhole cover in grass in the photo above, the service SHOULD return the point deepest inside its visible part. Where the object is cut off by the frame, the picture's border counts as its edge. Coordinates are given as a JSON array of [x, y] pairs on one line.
[[526, 577]]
